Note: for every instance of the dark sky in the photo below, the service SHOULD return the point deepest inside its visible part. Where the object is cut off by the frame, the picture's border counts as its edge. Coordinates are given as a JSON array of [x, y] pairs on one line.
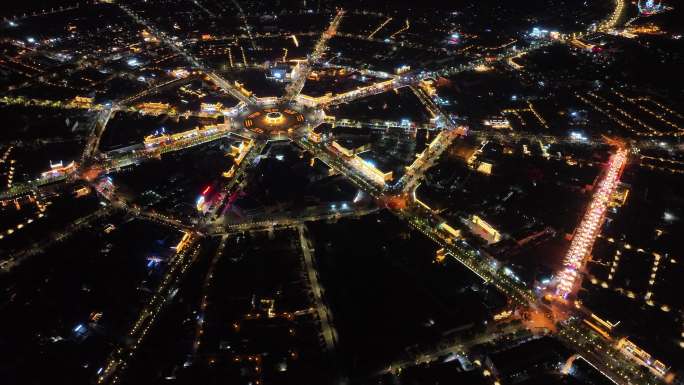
[[12, 7]]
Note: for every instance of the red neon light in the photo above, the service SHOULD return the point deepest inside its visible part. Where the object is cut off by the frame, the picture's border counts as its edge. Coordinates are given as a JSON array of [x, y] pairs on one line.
[[206, 190]]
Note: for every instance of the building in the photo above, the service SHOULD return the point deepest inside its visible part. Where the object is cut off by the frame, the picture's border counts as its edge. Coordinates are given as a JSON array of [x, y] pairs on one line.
[[635, 353], [310, 101], [367, 168], [153, 141], [278, 74], [484, 230], [485, 167], [82, 102], [497, 122], [154, 107], [211, 107], [58, 170]]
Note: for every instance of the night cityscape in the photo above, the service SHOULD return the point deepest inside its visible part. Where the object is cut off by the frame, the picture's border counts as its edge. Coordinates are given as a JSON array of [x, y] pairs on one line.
[[342, 192]]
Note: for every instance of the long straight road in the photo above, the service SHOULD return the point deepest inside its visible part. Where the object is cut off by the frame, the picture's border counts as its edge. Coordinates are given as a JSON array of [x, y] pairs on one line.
[[302, 71], [324, 315]]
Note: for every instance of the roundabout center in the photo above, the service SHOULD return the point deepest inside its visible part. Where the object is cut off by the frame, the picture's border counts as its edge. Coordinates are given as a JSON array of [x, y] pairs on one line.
[[274, 121]]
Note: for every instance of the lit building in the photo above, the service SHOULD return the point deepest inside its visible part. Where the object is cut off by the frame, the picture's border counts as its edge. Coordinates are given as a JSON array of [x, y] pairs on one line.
[[154, 107], [402, 69], [242, 89], [484, 230], [650, 7], [485, 168], [451, 232], [278, 74], [428, 86], [497, 122], [369, 170], [582, 45], [153, 141], [310, 101], [82, 102], [631, 350], [211, 107], [349, 152], [58, 170]]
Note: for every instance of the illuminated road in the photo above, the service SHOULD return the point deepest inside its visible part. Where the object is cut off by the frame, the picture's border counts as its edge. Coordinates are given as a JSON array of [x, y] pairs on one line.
[[204, 302], [95, 133], [14, 260], [186, 252], [302, 71], [324, 315], [615, 18], [287, 220], [590, 226], [415, 172], [457, 345]]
